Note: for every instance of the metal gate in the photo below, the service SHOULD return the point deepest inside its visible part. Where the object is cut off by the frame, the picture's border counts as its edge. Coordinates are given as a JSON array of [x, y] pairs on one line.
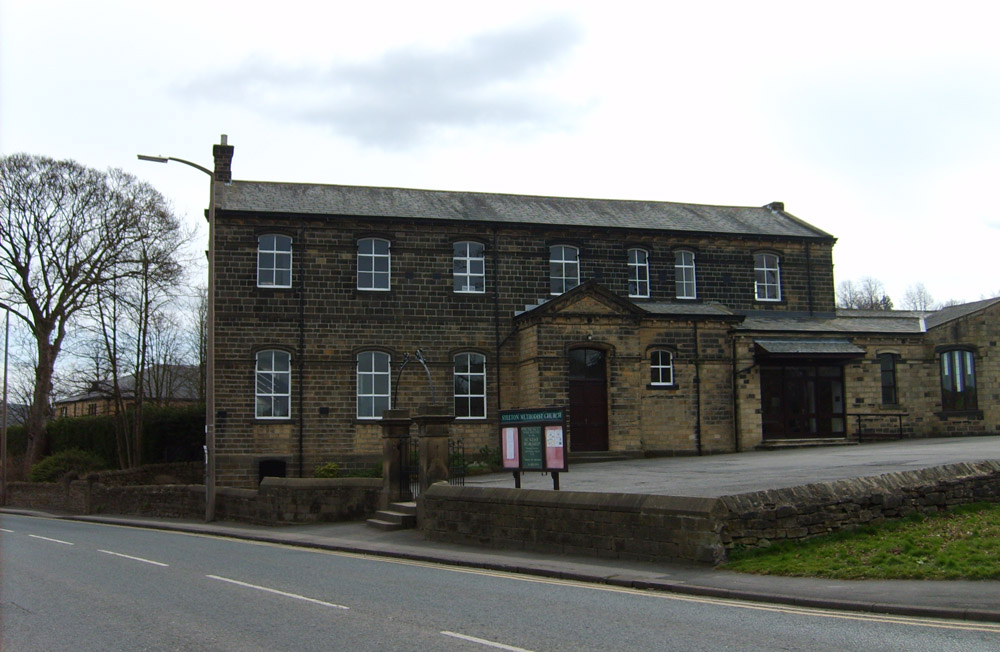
[[409, 465]]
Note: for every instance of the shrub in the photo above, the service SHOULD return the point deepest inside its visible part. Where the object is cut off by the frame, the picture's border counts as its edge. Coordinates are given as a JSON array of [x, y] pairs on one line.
[[73, 460], [491, 456], [170, 434], [371, 471], [328, 470]]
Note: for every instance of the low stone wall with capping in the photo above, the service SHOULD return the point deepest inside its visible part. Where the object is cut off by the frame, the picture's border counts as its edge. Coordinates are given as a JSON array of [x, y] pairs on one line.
[[763, 517], [611, 525], [278, 501], [666, 528]]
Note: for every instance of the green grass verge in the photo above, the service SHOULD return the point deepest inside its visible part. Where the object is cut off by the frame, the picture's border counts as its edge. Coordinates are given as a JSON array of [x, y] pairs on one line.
[[963, 543]]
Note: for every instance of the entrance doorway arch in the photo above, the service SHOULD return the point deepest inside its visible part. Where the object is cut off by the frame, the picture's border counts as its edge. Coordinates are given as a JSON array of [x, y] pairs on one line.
[[588, 400]]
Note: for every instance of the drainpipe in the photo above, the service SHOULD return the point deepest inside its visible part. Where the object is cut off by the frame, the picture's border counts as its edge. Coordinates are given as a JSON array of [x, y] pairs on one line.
[[736, 400], [496, 313], [697, 385], [302, 350], [809, 277]]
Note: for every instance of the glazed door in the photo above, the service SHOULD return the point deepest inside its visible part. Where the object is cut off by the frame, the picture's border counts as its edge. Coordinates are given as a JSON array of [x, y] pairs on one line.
[[801, 402], [588, 400]]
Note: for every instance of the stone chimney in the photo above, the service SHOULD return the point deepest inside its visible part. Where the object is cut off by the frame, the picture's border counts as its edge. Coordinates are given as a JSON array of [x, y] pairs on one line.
[[223, 153]]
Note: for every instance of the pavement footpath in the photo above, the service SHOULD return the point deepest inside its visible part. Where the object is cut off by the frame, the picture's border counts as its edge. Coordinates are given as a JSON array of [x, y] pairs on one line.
[[964, 600]]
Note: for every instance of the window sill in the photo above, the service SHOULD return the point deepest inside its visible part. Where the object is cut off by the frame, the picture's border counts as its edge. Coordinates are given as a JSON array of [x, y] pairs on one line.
[[659, 387], [975, 415]]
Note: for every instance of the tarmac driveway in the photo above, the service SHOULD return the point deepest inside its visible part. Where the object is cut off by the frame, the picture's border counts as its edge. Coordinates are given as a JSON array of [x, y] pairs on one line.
[[736, 473]]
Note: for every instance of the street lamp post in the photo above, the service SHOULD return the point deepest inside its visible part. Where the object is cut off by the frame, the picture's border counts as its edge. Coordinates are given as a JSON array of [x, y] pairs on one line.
[[3, 418], [209, 336]]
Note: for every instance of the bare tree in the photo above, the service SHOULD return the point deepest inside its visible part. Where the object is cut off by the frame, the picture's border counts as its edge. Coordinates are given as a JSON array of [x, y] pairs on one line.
[[66, 230], [917, 297], [128, 314], [867, 294]]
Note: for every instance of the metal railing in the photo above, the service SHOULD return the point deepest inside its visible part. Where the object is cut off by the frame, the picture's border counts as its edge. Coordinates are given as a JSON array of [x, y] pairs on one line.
[[885, 425]]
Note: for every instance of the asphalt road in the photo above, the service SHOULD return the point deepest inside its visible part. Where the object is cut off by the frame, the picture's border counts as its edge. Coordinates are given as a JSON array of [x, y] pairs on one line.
[[82, 586]]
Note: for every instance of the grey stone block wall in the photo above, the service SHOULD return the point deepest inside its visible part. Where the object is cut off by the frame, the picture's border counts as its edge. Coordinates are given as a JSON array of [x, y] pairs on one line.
[[665, 528], [278, 501]]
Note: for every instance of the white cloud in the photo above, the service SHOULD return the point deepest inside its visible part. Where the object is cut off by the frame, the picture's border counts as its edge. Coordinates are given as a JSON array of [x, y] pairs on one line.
[[405, 97]]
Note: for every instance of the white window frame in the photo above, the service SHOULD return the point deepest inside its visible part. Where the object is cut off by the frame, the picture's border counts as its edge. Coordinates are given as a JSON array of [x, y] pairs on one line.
[[273, 384], [465, 282], [463, 370], [564, 270], [661, 372], [685, 275], [368, 263], [638, 273], [371, 367], [268, 248], [767, 277]]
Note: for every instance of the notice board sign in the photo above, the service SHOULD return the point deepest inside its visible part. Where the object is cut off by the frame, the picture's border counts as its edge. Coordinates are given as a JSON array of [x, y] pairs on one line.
[[533, 440]]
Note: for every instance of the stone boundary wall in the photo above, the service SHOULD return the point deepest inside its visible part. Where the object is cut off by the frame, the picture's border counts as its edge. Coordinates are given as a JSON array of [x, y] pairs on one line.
[[664, 528], [278, 501], [760, 518], [612, 525]]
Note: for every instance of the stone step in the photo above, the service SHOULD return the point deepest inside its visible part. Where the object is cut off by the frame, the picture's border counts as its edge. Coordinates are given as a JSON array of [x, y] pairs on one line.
[[805, 443], [397, 516]]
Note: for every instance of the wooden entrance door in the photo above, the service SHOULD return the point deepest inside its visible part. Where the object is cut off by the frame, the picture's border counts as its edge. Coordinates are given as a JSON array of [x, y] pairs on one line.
[[588, 400]]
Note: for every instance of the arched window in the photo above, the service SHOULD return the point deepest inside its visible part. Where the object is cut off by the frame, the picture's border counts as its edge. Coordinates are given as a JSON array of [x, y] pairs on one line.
[[564, 268], [469, 267], [470, 386], [684, 277], [373, 264], [767, 277], [274, 261], [638, 273], [374, 380], [273, 386], [958, 380], [661, 367]]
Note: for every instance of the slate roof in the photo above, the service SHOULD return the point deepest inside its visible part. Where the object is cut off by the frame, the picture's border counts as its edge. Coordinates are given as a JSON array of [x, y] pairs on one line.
[[363, 201], [950, 313], [809, 347], [845, 321], [172, 382]]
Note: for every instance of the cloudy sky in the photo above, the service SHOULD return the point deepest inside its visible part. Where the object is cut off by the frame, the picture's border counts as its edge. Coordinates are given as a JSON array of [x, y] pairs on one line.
[[878, 122]]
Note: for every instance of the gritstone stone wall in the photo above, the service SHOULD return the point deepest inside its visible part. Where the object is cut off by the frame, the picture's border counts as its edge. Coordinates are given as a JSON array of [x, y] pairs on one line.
[[663, 528]]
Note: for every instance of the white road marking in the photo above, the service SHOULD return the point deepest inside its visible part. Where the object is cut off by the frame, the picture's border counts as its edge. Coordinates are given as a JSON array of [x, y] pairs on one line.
[[35, 536], [277, 592], [910, 621], [6, 530], [145, 561], [483, 641]]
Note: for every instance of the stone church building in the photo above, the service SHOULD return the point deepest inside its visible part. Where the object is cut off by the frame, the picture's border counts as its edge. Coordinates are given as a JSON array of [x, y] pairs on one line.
[[664, 328]]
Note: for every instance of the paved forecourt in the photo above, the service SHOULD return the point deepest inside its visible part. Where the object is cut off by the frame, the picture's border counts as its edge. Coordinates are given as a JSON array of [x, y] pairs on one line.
[[714, 476]]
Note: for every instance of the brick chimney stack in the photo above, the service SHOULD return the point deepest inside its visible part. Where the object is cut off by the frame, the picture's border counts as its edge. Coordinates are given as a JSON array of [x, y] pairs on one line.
[[223, 153]]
